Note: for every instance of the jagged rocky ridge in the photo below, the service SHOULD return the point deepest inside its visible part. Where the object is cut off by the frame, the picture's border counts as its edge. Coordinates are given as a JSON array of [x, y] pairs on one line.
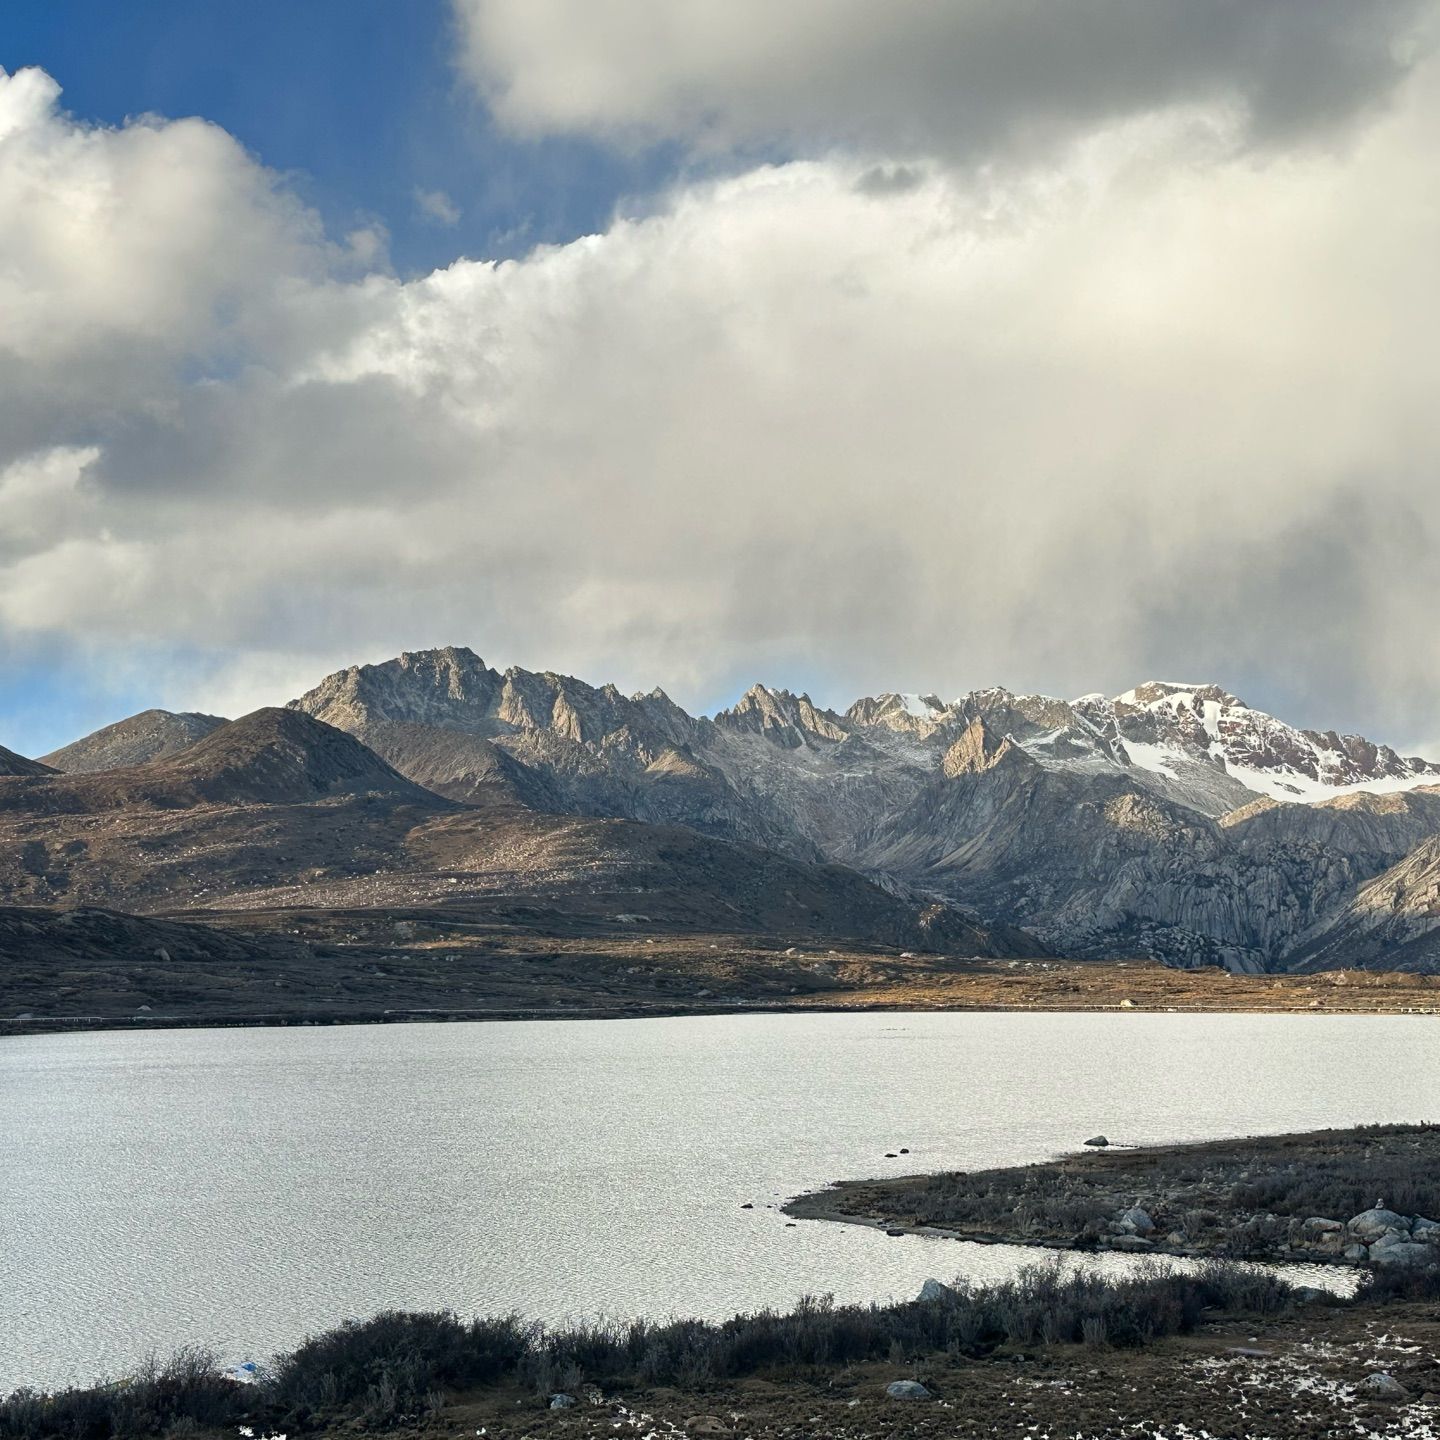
[[1172, 820]]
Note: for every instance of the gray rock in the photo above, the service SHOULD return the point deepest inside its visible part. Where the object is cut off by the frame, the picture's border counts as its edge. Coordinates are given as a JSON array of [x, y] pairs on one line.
[[706, 1425], [561, 1401], [1137, 1220], [1318, 1225], [1388, 1239], [1421, 1228], [935, 1290], [1357, 1252], [1382, 1386], [1131, 1242], [907, 1390], [1372, 1224], [1098, 1141], [1403, 1252]]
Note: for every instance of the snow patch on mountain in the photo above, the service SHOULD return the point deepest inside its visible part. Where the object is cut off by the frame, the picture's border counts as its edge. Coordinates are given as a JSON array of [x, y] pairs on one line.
[[1165, 726]]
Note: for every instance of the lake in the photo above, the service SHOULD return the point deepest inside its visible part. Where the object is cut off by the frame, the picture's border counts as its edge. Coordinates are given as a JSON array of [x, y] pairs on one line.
[[240, 1188]]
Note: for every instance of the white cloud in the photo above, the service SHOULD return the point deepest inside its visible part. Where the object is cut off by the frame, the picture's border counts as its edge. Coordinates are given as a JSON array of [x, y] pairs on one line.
[[1062, 428]]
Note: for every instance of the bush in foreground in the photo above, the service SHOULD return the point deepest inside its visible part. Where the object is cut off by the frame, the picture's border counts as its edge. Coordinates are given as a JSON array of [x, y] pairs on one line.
[[397, 1366], [186, 1394]]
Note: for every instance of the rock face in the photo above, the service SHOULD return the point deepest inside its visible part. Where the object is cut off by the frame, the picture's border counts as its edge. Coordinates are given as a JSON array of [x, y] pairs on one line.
[[1171, 821], [150, 735], [1392, 921]]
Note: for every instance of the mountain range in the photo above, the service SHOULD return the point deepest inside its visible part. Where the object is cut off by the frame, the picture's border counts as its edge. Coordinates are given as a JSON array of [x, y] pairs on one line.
[[1171, 821]]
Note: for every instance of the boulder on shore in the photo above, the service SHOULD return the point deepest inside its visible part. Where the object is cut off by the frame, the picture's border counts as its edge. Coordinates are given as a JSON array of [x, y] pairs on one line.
[[1403, 1252], [1099, 1141], [1137, 1220], [1130, 1242], [934, 1289], [907, 1390], [1372, 1224]]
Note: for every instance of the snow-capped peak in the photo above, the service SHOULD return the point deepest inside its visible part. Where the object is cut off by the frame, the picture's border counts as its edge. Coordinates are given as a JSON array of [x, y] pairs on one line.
[[1166, 726]]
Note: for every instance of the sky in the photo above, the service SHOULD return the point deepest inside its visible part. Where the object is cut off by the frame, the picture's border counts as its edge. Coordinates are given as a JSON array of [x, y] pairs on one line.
[[694, 342]]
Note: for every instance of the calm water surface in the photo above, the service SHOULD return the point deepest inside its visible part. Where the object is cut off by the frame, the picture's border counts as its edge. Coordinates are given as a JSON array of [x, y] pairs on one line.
[[243, 1187]]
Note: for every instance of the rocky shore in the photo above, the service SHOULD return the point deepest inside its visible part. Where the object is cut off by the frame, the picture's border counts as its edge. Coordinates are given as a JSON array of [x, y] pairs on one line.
[[1316, 1198]]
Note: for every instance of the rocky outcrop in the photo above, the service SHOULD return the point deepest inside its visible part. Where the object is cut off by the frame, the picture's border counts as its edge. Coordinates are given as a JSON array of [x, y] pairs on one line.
[[978, 749]]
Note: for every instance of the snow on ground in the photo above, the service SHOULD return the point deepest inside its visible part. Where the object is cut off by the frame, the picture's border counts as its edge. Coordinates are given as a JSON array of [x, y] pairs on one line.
[[1161, 759]]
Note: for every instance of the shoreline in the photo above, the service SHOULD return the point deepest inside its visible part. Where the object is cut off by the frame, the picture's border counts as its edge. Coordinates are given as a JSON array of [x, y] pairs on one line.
[[1298, 1199], [322, 968], [809, 1207], [299, 1019]]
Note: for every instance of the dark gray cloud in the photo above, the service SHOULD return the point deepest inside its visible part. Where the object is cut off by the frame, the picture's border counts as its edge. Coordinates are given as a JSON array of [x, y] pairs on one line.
[[968, 78]]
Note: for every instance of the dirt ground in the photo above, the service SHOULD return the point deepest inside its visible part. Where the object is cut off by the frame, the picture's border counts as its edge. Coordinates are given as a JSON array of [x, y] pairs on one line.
[[505, 963], [1300, 1377]]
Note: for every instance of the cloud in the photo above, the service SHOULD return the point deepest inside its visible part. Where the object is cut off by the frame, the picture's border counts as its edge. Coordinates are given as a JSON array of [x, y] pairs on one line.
[[1062, 427], [129, 258], [437, 207], [968, 78]]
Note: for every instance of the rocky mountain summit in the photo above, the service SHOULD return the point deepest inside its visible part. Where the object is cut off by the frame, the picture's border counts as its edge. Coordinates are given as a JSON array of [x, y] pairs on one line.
[[1170, 821], [150, 735]]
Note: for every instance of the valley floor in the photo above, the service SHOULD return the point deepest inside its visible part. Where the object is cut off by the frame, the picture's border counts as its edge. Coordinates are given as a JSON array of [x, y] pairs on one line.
[[93, 969]]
